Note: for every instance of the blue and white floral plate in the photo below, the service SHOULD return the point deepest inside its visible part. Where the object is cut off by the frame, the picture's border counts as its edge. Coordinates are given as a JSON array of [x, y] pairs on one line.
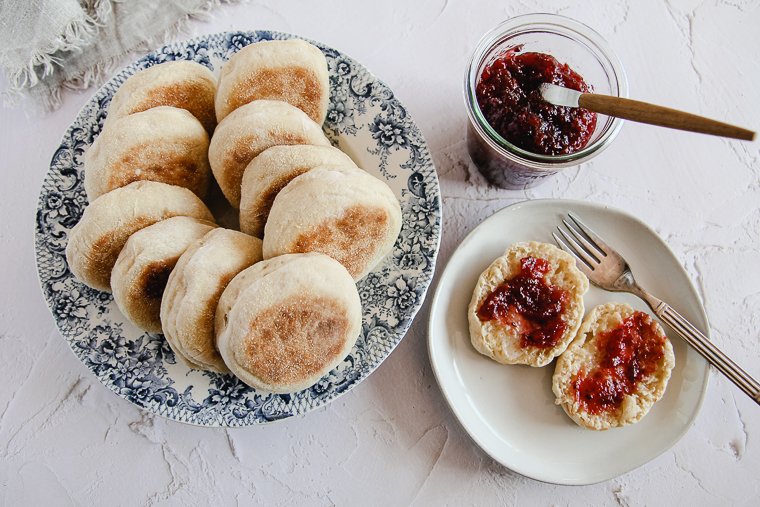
[[367, 122]]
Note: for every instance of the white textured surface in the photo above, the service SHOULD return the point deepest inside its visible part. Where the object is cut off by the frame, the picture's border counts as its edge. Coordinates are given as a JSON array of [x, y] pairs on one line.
[[65, 439]]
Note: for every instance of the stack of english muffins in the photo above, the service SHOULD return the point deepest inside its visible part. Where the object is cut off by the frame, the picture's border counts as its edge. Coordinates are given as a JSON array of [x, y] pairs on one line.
[[276, 302]]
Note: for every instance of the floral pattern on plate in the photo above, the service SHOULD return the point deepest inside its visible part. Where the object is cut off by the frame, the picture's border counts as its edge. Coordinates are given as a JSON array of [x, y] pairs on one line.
[[366, 121]]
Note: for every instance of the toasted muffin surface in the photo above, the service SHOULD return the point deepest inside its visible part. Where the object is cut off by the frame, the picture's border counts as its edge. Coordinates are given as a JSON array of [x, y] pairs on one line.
[[294, 318], [340, 211], [177, 83], [293, 71]]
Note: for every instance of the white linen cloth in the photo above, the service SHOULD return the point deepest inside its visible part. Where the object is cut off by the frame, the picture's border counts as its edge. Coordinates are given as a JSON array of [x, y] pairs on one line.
[[49, 45]]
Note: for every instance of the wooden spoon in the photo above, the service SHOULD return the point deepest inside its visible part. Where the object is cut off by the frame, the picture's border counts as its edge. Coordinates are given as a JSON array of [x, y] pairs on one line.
[[642, 112]]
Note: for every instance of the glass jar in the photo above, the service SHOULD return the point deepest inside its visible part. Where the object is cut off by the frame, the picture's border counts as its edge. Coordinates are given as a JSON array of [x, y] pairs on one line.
[[585, 51]]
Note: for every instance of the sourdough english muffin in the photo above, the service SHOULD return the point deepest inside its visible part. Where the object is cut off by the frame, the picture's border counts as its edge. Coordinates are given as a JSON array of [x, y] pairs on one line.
[[193, 290], [106, 224], [293, 71], [343, 212], [271, 170], [292, 323], [527, 305], [142, 269], [181, 83], [251, 129], [615, 369], [163, 144]]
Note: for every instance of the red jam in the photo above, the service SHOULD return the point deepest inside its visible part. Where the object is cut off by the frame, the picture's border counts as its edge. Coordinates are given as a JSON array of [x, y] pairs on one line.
[[626, 354], [528, 304], [509, 98]]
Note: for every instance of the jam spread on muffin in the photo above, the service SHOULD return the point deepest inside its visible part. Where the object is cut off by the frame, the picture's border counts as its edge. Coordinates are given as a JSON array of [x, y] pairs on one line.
[[626, 354], [528, 304], [511, 102]]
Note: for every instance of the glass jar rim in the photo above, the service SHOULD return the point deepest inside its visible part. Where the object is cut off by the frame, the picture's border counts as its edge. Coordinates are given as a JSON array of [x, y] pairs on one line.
[[554, 23]]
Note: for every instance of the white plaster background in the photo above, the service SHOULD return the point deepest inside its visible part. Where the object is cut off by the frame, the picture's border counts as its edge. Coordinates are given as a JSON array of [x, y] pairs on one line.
[[66, 440]]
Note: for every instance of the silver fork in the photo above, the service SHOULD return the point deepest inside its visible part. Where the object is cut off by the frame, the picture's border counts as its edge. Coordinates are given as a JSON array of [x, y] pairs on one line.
[[608, 270]]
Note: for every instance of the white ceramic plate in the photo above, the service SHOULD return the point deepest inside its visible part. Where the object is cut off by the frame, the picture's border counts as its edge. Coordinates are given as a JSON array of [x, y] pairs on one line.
[[509, 410]]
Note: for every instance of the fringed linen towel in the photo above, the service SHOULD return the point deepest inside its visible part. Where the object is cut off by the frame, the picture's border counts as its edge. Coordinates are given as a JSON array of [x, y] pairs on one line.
[[49, 45]]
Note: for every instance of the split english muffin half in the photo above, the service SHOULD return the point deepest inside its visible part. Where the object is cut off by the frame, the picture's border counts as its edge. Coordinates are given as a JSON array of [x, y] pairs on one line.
[[616, 368], [527, 305]]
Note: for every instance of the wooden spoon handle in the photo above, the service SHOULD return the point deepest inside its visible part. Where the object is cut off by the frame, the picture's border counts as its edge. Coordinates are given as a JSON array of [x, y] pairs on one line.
[[663, 116]]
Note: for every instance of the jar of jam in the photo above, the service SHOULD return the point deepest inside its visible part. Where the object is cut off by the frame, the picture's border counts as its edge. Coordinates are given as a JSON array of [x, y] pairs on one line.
[[504, 72]]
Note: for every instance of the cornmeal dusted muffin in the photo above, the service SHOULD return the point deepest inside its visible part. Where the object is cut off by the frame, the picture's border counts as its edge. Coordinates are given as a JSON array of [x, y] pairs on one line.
[[293, 71], [177, 83], [340, 211], [288, 321]]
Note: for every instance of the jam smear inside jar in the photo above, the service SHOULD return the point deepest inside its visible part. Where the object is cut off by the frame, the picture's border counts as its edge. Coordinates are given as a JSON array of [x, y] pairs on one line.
[[626, 354], [528, 304], [511, 102]]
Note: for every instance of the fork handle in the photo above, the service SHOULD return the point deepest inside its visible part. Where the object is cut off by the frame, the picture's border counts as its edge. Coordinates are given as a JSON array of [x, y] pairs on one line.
[[706, 348]]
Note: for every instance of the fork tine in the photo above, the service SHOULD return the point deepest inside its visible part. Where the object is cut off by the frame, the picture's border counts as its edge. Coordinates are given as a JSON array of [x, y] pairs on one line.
[[598, 242], [589, 247], [578, 261], [568, 244]]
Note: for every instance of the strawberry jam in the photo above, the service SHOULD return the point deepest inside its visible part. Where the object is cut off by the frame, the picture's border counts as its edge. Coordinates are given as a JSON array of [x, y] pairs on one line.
[[626, 354], [511, 102], [528, 304]]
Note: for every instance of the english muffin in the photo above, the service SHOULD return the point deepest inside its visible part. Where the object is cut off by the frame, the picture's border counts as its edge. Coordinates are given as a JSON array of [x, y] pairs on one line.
[[293, 71], [343, 212], [271, 170], [106, 224], [241, 282], [142, 269], [181, 83], [291, 325], [163, 144], [527, 305], [615, 369], [193, 290], [251, 129]]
